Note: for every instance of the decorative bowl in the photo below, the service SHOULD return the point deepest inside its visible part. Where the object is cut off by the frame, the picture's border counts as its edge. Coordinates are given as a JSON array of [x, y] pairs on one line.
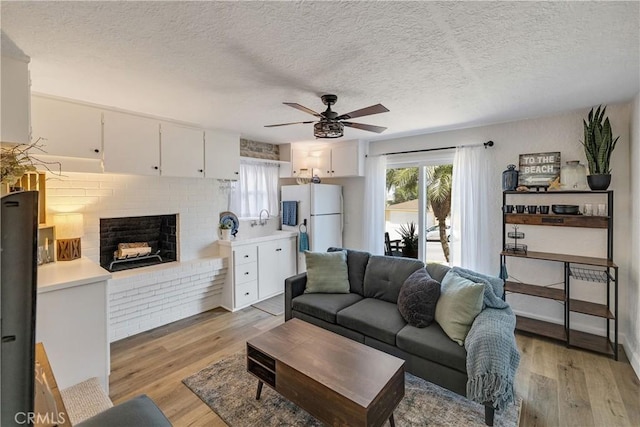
[[565, 209]]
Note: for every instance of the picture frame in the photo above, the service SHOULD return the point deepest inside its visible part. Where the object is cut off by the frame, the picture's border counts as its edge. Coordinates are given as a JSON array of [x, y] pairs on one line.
[[539, 169]]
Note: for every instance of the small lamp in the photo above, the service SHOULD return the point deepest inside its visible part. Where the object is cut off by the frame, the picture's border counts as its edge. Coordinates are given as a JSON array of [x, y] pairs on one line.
[[69, 230]]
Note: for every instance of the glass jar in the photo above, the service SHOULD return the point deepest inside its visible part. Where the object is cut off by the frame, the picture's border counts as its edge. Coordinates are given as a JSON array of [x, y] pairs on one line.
[[510, 178], [573, 176]]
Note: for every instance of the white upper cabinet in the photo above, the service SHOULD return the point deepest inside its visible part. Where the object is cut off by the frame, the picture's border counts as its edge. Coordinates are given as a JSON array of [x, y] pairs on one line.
[[221, 154], [347, 159], [181, 151], [69, 129], [16, 89], [131, 144], [339, 159]]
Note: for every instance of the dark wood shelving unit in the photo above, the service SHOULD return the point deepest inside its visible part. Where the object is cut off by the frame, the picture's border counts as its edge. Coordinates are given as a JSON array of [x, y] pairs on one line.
[[576, 267], [558, 220], [535, 290]]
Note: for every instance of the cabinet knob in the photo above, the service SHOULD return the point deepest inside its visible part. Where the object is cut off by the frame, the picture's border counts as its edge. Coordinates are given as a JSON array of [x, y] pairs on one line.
[[333, 171], [278, 250], [246, 256], [328, 171], [96, 151], [246, 273], [156, 167], [237, 173], [200, 170], [246, 294]]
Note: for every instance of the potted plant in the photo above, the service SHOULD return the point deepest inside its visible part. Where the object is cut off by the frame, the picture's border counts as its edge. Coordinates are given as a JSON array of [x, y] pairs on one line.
[[598, 145], [225, 229], [16, 160], [409, 236]]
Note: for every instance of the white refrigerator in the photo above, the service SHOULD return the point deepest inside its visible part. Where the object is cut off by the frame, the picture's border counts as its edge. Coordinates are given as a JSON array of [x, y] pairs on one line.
[[320, 207]]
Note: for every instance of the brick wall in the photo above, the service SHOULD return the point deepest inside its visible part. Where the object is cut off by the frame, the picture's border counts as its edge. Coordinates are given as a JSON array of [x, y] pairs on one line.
[[185, 288], [146, 298]]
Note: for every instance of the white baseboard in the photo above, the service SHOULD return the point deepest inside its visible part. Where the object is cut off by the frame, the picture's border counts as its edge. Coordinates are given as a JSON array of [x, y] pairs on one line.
[[634, 357]]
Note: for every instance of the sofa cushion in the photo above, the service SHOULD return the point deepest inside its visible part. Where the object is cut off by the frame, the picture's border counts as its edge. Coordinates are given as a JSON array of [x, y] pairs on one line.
[[418, 297], [139, 411], [324, 306], [437, 271], [356, 263], [385, 275], [326, 272], [373, 317], [460, 302], [433, 344]]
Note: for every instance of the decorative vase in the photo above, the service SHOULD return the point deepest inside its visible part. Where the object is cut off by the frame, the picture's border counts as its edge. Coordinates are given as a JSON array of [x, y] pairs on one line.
[[599, 181], [225, 234], [573, 176], [510, 178]]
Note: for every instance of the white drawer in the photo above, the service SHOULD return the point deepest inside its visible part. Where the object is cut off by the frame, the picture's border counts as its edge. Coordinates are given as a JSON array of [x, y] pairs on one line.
[[246, 272], [246, 293], [245, 254]]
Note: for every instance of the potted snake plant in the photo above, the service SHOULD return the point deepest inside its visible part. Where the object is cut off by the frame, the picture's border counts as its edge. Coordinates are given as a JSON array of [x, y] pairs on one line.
[[409, 236], [598, 145]]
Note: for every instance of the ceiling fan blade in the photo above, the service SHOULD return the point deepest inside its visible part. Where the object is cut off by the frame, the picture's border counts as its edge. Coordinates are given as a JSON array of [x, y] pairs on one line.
[[370, 128], [302, 108], [374, 109], [287, 124]]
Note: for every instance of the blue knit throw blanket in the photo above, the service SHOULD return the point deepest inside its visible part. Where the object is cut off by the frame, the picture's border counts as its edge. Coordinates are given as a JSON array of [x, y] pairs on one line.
[[492, 352]]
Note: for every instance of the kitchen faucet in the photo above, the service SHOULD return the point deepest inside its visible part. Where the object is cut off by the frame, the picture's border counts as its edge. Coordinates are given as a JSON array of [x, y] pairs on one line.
[[263, 222]]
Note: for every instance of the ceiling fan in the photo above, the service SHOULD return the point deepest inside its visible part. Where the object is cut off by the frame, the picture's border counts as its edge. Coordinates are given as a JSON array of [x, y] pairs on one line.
[[331, 125]]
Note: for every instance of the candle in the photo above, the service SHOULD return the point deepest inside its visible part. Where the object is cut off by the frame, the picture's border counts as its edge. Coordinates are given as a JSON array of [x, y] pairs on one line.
[[46, 243]]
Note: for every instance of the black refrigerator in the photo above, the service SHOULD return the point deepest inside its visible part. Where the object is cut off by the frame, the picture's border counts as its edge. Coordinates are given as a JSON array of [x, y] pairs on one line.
[[18, 273]]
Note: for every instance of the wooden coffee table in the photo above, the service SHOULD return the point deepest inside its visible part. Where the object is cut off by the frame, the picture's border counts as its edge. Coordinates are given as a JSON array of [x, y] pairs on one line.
[[337, 380]]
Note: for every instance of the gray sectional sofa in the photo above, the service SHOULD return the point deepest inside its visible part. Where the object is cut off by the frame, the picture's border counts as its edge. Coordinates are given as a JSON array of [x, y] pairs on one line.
[[369, 314]]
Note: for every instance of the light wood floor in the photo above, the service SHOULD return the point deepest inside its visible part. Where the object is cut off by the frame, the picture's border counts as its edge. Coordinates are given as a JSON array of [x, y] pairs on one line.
[[559, 386]]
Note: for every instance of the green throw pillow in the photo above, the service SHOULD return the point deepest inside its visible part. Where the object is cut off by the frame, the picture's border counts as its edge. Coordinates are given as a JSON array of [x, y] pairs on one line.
[[327, 272], [459, 303]]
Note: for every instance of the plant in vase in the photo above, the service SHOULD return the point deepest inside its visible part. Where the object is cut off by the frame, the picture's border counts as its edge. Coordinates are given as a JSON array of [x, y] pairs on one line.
[[409, 236], [598, 145], [225, 229]]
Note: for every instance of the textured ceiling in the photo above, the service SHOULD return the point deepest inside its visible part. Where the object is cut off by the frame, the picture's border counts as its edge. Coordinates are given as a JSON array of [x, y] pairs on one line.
[[230, 65]]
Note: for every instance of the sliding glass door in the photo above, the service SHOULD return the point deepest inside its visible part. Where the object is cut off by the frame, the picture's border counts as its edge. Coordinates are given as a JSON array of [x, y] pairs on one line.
[[418, 208]]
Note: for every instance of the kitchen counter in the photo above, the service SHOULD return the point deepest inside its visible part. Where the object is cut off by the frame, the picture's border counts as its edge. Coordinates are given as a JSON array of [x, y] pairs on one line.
[[245, 241], [67, 274]]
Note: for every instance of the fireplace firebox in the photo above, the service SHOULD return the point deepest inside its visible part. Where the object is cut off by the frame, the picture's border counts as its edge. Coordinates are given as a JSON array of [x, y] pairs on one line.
[[140, 241]]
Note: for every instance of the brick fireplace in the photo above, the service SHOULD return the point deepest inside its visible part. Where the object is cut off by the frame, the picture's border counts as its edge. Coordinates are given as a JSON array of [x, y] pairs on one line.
[[160, 232]]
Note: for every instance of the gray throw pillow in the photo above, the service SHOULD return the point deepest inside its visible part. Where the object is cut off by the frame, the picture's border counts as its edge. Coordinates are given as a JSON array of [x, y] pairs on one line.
[[327, 272], [417, 299]]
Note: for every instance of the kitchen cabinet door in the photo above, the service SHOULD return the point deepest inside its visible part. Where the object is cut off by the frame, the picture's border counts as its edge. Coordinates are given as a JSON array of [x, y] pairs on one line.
[[131, 144], [70, 129], [16, 89], [276, 262], [181, 151], [344, 160], [221, 155]]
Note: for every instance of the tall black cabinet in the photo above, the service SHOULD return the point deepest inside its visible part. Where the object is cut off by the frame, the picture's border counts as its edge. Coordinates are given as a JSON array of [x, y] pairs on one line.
[[18, 288]]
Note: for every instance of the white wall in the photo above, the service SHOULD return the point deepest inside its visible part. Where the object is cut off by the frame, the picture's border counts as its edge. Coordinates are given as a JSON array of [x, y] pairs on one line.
[[197, 201], [632, 344], [557, 133]]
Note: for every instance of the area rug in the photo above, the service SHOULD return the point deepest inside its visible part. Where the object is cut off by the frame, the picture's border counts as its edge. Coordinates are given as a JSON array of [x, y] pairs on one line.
[[273, 305], [230, 391]]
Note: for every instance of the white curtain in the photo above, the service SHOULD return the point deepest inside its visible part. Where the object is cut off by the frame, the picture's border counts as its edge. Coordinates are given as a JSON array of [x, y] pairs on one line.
[[374, 204], [470, 201], [257, 189]]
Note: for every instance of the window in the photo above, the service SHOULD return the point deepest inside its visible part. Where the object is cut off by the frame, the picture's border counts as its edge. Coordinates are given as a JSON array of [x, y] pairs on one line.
[[257, 189]]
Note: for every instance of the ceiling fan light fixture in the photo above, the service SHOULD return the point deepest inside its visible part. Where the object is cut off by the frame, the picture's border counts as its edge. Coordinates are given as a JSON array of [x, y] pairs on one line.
[[328, 129]]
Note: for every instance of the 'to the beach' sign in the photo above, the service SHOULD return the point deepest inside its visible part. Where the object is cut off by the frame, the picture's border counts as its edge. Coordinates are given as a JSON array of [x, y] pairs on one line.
[[539, 169]]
